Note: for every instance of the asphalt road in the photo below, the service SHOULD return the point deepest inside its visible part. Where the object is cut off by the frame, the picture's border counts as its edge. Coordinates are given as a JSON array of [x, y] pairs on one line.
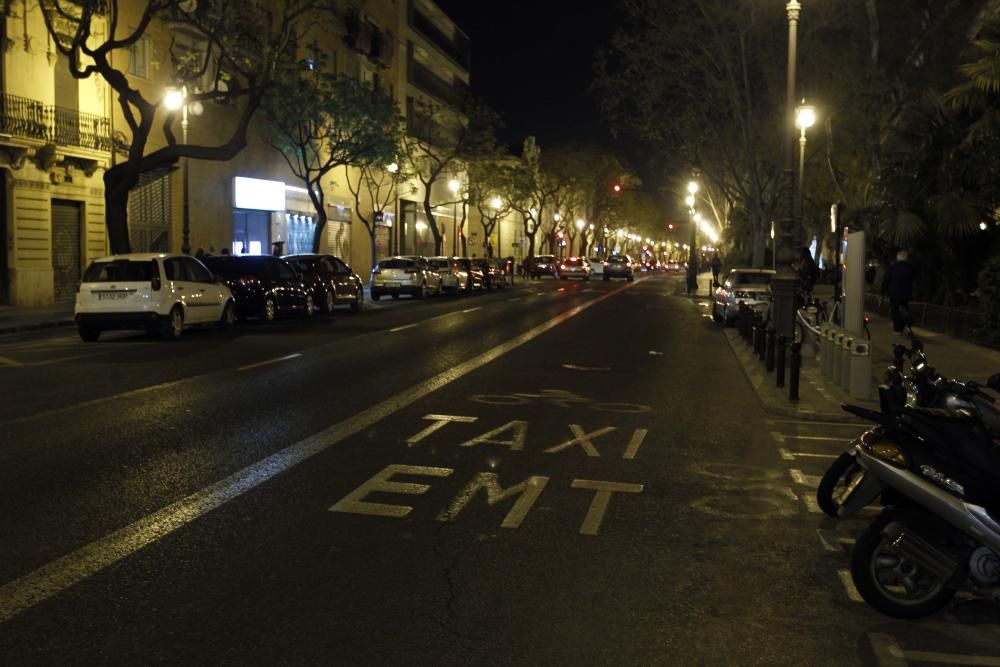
[[567, 474]]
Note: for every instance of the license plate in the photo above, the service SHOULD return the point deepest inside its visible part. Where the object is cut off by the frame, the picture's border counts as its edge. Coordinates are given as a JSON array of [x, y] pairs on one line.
[[111, 296], [392, 284]]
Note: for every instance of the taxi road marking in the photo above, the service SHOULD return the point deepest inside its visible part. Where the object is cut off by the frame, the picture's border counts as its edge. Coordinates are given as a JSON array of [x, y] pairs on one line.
[[51, 579], [852, 591], [891, 654]]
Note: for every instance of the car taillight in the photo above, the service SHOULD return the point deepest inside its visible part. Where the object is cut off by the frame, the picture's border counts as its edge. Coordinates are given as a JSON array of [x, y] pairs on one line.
[[741, 294], [249, 280], [154, 280], [562, 266], [412, 271]]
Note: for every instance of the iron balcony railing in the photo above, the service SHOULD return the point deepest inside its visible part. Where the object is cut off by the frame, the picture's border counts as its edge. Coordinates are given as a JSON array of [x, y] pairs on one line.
[[451, 94], [23, 117], [456, 47]]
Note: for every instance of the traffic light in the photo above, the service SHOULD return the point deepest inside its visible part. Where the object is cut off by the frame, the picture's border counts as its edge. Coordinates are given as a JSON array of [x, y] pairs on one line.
[[616, 188]]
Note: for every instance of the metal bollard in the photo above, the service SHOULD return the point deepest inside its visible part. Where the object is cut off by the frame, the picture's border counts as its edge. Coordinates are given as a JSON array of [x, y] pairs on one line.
[[761, 340], [845, 363], [779, 365], [769, 352], [795, 368], [836, 369], [824, 330]]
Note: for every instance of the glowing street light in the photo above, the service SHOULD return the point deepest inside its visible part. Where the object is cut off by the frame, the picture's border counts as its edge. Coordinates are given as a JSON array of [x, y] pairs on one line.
[[496, 203]]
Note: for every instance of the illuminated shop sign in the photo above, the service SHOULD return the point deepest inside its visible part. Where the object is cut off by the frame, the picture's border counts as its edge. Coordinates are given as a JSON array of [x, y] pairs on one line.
[[258, 194]]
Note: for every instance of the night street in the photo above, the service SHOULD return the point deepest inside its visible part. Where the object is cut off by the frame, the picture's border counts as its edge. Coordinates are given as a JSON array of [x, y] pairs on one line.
[[556, 473]]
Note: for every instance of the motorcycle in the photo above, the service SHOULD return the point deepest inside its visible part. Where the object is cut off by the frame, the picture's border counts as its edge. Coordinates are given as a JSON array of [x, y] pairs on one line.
[[924, 387], [937, 472]]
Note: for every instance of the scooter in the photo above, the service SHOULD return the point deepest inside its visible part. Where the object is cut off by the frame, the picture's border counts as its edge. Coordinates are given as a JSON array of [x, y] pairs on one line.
[[938, 473]]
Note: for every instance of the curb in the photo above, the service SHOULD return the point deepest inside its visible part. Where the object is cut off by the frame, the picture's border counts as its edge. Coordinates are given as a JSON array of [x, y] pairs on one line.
[[35, 326], [770, 400]]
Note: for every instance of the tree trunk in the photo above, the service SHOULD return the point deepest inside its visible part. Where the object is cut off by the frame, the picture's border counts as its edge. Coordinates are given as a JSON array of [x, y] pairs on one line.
[[371, 238], [759, 240], [118, 180], [321, 219], [432, 221]]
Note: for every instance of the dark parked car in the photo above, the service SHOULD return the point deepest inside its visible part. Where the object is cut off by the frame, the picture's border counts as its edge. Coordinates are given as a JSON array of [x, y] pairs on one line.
[[619, 266], [263, 286], [474, 274], [333, 282], [544, 265], [493, 273]]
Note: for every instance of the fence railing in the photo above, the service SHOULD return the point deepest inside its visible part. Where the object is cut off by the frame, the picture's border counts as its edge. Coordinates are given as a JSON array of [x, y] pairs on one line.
[[24, 117], [952, 321]]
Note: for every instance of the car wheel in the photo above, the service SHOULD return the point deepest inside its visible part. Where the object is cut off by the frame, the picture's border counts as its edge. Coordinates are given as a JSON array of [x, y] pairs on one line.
[[89, 334], [310, 305], [395, 295], [329, 301], [228, 319], [376, 295], [270, 311], [172, 326], [607, 278], [631, 278], [358, 301]]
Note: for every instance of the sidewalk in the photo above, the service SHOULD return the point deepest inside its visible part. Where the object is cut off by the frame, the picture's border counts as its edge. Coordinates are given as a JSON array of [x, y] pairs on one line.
[[820, 398], [13, 320]]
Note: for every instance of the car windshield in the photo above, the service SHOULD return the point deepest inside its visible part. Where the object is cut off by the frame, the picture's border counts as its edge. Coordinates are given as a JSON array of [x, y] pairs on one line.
[[574, 261], [438, 264], [545, 258], [302, 265], [396, 264], [751, 279], [119, 270]]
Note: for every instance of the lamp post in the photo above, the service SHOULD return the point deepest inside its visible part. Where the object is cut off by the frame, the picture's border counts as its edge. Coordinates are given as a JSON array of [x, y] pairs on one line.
[[454, 186], [580, 224], [805, 117], [174, 99], [784, 286], [692, 272], [496, 204]]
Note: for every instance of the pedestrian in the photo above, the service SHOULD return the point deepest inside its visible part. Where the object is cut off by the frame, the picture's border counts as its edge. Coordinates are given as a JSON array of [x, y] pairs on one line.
[[808, 271], [225, 252], [716, 269], [898, 286], [199, 253]]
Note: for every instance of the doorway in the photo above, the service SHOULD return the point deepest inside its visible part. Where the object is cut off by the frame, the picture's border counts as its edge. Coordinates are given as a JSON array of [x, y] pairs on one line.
[[66, 249]]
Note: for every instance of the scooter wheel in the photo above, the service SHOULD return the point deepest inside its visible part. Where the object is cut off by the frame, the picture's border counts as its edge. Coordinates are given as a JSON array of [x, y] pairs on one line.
[[835, 481], [891, 583]]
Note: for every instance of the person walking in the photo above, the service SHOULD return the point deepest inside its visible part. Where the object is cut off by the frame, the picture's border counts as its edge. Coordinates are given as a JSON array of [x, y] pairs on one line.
[[716, 269], [808, 271], [898, 286]]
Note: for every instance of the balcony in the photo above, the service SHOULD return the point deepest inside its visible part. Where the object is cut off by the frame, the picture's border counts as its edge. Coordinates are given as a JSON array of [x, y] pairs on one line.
[[457, 48], [30, 119], [452, 94], [430, 131]]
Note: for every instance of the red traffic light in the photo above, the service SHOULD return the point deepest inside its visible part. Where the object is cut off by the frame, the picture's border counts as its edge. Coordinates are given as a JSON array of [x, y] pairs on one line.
[[617, 187]]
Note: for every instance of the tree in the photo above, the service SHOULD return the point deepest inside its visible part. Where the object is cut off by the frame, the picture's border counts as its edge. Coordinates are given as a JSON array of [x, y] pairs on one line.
[[531, 191], [486, 185], [239, 49], [336, 121], [437, 149], [379, 185]]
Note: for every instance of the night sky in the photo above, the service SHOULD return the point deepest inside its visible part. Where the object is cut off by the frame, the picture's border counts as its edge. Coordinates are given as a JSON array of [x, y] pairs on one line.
[[533, 63]]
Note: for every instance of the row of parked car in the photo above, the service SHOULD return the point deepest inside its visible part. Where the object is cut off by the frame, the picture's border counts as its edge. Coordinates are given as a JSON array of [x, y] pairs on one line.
[[583, 268], [164, 293]]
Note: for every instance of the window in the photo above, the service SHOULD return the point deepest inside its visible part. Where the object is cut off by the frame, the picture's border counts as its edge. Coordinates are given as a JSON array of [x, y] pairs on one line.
[[197, 271], [285, 272], [175, 269], [138, 58], [339, 266], [118, 271]]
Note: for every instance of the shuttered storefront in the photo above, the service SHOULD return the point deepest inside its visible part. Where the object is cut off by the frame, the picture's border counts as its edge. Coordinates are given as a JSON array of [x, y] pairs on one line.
[[66, 249], [149, 213]]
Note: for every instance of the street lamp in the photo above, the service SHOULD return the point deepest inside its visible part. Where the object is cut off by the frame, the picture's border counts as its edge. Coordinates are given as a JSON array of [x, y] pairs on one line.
[[174, 99], [454, 186], [496, 204], [692, 273], [805, 117]]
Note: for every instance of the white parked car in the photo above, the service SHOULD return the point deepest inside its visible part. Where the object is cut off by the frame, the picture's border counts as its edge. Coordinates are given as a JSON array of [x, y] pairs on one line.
[[158, 292], [751, 286], [596, 266], [454, 277], [404, 275]]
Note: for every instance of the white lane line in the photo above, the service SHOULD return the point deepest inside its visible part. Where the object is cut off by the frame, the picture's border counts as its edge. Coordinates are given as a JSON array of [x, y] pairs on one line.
[[852, 592], [791, 456], [809, 422], [826, 543], [891, 654], [805, 480], [516, 298], [4, 361], [825, 438], [472, 310], [405, 327], [55, 577], [269, 361]]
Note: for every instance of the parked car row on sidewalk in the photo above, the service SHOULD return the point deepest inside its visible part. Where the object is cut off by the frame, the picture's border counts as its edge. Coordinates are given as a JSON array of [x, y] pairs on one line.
[[420, 277], [164, 293]]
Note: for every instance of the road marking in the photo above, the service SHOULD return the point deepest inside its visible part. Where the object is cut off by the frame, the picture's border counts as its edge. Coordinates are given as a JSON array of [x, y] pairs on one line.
[[516, 298], [404, 327], [4, 361], [801, 478], [654, 353], [852, 591], [574, 367], [791, 456], [890, 654], [802, 422], [440, 421], [294, 355], [55, 577], [633, 445], [824, 438], [599, 505], [811, 505], [826, 544], [472, 310], [382, 482]]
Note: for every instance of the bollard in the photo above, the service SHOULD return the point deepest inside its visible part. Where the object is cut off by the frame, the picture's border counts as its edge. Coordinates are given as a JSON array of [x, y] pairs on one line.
[[779, 365], [861, 371], [758, 332], [741, 320], [824, 331], [761, 339], [769, 352], [835, 368], [795, 367], [825, 364], [845, 362]]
